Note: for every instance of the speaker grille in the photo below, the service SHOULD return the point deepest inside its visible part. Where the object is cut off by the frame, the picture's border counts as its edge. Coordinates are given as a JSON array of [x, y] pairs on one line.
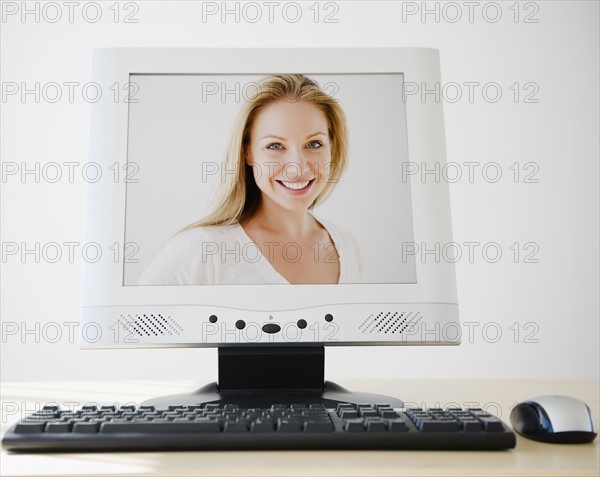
[[150, 325], [394, 322]]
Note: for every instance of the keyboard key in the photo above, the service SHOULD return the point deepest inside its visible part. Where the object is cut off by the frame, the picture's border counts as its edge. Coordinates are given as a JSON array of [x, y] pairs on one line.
[[108, 416], [367, 412], [157, 427], [69, 415], [354, 425], [46, 412], [207, 426], [382, 406], [235, 426], [30, 427], [43, 417], [168, 415], [479, 413], [51, 407], [388, 414], [444, 417], [318, 426], [262, 426], [461, 414], [439, 426], [492, 424], [86, 427], [76, 420], [397, 426], [471, 425], [348, 414], [135, 419], [284, 425], [251, 415], [59, 427], [376, 426]]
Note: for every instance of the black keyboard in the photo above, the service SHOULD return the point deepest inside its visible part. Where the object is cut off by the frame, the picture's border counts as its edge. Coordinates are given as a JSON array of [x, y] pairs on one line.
[[275, 426]]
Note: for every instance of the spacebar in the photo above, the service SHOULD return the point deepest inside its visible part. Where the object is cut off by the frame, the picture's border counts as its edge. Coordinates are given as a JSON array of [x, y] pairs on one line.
[[159, 427]]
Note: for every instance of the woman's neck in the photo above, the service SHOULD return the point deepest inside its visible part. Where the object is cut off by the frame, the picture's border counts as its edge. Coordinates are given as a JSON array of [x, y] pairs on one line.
[[291, 224]]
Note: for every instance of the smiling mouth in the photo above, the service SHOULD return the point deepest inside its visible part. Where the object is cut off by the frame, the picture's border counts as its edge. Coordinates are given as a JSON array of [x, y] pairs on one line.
[[297, 186]]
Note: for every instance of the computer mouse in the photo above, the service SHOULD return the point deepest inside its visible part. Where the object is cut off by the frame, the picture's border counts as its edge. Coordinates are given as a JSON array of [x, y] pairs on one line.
[[556, 419]]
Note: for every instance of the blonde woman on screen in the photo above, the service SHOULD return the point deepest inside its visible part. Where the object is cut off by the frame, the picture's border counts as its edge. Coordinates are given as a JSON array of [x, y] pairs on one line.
[[288, 149]]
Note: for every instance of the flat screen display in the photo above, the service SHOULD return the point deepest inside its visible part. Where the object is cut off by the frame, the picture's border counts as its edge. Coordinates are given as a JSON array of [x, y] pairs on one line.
[[230, 184]]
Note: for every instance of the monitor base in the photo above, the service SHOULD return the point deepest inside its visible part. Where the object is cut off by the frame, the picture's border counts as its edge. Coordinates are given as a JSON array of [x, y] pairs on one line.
[[331, 395], [260, 376]]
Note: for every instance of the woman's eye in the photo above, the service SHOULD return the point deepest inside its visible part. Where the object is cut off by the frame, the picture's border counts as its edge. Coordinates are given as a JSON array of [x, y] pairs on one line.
[[275, 146], [315, 144]]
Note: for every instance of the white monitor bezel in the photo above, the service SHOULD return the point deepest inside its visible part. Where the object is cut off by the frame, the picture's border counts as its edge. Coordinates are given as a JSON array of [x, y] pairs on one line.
[[110, 310]]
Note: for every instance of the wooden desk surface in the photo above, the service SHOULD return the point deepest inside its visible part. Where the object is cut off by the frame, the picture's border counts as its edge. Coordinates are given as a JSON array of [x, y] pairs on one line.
[[528, 458]]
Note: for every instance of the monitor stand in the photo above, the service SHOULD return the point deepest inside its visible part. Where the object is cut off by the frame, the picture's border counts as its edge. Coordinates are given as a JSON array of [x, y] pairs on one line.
[[255, 376]]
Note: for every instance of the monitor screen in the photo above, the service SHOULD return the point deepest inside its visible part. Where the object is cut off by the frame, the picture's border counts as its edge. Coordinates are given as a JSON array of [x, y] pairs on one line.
[[268, 197], [179, 131]]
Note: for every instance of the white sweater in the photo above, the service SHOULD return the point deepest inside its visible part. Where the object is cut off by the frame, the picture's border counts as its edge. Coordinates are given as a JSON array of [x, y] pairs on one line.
[[225, 255]]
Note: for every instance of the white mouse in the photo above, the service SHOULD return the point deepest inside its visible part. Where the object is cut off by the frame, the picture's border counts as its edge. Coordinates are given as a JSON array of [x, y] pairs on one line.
[[558, 419]]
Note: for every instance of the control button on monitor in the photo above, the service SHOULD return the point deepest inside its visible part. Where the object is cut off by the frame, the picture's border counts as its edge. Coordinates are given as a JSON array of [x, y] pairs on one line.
[[240, 324], [271, 328], [301, 324], [328, 317], [212, 318]]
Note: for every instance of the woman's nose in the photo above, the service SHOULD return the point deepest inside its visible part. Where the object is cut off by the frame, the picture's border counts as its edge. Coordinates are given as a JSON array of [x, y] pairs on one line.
[[297, 164]]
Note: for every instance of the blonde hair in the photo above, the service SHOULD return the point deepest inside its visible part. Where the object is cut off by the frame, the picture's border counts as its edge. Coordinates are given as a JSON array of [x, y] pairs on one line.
[[239, 196]]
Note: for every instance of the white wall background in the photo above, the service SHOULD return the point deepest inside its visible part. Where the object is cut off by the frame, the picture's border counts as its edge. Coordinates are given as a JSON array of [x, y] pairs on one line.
[[553, 302]]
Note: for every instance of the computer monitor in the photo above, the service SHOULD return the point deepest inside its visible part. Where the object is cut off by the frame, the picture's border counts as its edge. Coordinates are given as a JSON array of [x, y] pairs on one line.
[[267, 202]]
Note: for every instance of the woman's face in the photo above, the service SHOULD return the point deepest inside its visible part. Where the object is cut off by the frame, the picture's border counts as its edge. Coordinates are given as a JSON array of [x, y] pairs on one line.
[[290, 153]]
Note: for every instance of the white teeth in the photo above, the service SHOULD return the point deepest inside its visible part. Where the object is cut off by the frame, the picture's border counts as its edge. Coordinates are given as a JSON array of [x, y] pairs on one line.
[[295, 185]]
